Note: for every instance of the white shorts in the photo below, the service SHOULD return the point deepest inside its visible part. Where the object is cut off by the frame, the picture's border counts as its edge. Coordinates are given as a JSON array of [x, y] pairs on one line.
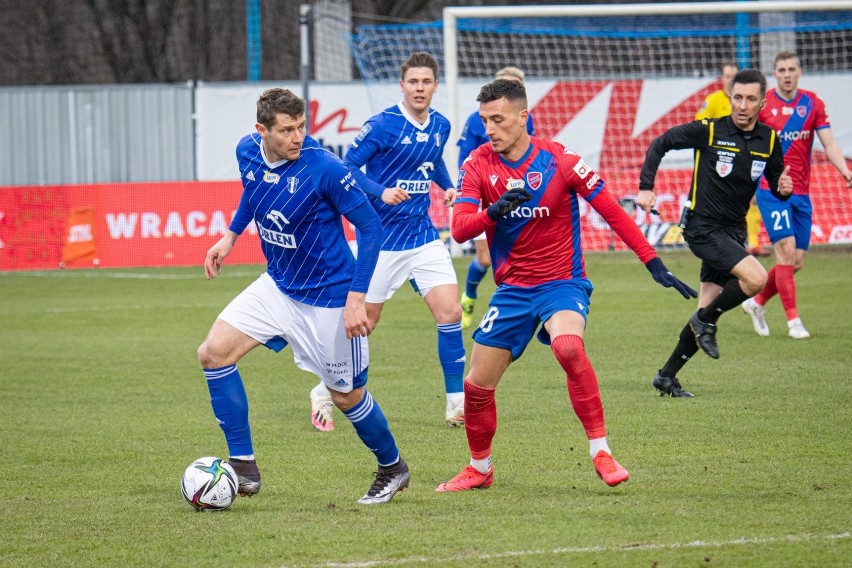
[[426, 266], [317, 335]]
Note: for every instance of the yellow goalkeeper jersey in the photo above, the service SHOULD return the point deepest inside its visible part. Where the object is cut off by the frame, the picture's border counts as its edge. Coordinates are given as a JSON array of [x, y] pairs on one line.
[[716, 105]]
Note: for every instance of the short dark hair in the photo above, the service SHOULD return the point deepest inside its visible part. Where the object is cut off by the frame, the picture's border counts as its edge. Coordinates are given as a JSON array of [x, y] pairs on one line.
[[278, 101], [418, 59], [748, 76], [498, 89]]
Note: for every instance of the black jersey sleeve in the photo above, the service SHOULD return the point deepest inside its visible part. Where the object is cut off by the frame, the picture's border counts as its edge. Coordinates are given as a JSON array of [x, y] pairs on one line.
[[690, 135]]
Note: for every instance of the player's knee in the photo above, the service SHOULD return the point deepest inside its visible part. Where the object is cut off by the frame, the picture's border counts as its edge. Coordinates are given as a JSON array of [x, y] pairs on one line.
[[755, 282], [568, 348], [205, 356], [211, 358], [448, 313]]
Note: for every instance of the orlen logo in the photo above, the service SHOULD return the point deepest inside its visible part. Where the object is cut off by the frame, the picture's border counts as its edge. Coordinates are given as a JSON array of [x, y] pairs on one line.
[[530, 212], [794, 135], [415, 185]]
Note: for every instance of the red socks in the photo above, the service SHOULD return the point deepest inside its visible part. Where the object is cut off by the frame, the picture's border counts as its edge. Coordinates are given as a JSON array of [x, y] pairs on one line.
[[582, 383], [480, 419], [782, 282], [786, 289]]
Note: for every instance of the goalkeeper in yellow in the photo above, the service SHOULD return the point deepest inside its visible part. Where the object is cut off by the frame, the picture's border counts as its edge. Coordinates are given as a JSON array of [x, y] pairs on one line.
[[716, 105]]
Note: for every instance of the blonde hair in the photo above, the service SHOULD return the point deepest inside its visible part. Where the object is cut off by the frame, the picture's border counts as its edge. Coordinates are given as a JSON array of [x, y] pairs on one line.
[[510, 73]]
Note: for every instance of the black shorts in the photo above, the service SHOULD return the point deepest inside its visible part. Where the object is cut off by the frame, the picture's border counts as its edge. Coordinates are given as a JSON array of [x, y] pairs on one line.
[[719, 247]]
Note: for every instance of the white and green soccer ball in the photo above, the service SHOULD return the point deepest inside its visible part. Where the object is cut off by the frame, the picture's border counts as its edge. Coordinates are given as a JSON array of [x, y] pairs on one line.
[[209, 484]]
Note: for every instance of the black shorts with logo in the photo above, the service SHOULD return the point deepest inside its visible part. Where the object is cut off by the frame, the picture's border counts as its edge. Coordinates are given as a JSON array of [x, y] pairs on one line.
[[720, 247]]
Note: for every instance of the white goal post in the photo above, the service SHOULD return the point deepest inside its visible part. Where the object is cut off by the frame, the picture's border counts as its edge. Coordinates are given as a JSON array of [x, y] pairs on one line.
[[453, 14]]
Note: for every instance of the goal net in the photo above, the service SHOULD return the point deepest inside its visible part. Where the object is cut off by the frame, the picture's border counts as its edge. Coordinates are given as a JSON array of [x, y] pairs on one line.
[[604, 80]]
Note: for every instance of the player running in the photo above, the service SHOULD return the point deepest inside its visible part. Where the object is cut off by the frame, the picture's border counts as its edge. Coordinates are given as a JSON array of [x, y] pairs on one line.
[[796, 114], [402, 149], [527, 189]]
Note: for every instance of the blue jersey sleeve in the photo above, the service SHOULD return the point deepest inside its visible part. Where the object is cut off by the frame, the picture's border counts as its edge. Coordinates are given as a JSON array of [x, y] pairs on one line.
[[242, 217], [370, 237], [442, 176], [472, 137], [367, 144], [244, 214]]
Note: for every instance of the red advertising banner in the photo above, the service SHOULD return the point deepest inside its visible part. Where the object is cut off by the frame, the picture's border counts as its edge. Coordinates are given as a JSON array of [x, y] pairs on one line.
[[173, 224], [132, 224]]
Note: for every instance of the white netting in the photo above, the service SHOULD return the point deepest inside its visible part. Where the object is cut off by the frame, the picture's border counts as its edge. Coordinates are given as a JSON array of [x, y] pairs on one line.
[[607, 85]]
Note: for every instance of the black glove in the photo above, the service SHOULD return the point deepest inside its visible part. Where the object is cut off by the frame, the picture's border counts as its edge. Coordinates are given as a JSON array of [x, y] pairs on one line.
[[510, 200], [662, 276]]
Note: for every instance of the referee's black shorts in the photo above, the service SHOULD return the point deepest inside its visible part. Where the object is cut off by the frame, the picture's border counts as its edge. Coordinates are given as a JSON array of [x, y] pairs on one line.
[[720, 247]]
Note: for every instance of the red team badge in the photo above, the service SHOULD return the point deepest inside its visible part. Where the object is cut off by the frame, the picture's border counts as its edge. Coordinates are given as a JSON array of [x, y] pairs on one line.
[[534, 179]]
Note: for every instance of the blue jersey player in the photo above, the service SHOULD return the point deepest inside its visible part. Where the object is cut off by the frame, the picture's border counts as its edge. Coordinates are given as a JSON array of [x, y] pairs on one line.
[[472, 137], [402, 150], [312, 293]]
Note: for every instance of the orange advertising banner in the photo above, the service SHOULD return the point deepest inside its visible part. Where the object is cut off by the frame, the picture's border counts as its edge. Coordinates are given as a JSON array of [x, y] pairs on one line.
[[79, 243]]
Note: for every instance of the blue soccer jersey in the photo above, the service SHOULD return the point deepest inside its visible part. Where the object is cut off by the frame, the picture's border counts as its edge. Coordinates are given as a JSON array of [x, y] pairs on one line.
[[400, 152], [297, 207]]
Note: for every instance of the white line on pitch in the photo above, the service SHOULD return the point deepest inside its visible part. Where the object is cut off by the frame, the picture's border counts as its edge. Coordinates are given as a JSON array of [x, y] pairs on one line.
[[585, 550]]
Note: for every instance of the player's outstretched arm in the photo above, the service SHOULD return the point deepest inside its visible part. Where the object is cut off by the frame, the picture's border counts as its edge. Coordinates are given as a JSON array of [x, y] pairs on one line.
[[664, 277], [217, 253]]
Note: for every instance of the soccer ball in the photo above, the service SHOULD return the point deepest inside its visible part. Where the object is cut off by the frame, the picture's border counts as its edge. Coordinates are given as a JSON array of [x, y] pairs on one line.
[[209, 484]]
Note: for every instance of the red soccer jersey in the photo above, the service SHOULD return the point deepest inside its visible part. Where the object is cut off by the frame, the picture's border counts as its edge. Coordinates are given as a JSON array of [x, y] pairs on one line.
[[796, 123], [539, 241]]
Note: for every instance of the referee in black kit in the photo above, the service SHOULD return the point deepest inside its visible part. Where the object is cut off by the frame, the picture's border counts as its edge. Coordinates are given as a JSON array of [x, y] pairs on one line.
[[731, 153]]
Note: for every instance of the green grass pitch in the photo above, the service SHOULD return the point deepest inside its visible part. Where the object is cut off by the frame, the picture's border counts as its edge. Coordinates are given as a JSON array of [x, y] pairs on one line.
[[103, 405]]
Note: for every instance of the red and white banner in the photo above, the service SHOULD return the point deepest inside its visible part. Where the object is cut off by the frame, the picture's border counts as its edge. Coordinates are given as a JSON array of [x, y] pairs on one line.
[[610, 123], [173, 224]]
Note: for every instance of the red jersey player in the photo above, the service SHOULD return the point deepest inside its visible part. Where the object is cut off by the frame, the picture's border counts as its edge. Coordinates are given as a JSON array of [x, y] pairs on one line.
[[797, 116], [527, 189]]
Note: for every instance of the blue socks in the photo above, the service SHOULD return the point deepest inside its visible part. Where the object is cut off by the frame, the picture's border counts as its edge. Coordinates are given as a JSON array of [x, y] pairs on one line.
[[475, 274], [451, 355], [230, 406], [372, 427]]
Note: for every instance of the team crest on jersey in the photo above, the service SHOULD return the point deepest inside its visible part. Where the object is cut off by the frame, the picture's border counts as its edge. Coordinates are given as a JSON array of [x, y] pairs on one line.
[[270, 177], [514, 183], [801, 111], [422, 136], [292, 182], [757, 168], [534, 179], [724, 168]]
